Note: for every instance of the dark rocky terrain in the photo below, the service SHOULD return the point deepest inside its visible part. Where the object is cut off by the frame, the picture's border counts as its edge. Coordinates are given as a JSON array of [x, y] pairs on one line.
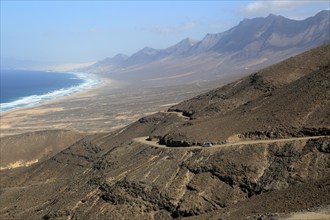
[[257, 102], [111, 176]]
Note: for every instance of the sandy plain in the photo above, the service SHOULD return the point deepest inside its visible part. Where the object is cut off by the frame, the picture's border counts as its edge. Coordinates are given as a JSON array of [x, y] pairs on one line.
[[103, 108]]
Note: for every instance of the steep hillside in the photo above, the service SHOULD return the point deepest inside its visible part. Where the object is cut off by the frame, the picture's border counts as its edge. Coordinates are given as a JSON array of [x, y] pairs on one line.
[[286, 99], [275, 160], [24, 150]]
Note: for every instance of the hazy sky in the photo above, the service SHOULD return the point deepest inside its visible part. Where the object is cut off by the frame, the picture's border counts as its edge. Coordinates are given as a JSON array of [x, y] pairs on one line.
[[82, 31]]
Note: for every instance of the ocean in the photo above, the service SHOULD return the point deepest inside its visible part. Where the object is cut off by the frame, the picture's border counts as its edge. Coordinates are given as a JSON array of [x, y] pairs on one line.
[[24, 88]]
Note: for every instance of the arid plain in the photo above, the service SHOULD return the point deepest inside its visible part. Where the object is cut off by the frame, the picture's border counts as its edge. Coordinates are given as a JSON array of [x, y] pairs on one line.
[[106, 107]]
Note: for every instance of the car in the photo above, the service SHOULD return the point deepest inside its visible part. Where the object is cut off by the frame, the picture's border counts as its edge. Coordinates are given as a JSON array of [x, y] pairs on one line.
[[207, 144]]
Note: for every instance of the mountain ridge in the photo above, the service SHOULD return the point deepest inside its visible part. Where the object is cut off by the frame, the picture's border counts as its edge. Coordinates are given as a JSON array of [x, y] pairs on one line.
[[252, 44]]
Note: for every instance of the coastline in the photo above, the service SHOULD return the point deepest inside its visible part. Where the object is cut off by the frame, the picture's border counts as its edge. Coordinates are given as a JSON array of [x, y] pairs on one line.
[[87, 92], [89, 81], [21, 114], [108, 106]]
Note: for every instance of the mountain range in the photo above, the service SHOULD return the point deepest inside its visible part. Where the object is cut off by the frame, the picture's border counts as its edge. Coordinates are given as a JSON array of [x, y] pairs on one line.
[[252, 44]]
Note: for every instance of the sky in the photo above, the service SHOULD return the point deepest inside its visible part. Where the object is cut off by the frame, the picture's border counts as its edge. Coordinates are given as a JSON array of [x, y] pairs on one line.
[[85, 31]]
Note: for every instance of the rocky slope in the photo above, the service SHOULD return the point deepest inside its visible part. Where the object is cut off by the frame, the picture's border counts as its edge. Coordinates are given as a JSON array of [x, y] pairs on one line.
[[106, 177], [26, 149], [288, 99], [111, 176]]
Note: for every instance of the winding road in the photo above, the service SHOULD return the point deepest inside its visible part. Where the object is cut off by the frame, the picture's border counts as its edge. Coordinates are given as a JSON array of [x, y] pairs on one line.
[[142, 140]]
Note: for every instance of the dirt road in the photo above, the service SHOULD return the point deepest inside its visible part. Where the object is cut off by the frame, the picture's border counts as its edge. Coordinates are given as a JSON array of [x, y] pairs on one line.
[[143, 140]]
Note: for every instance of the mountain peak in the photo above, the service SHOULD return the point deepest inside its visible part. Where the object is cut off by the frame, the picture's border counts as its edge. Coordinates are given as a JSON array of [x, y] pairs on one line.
[[185, 42], [272, 16], [120, 56], [189, 41], [182, 47], [148, 49], [323, 14], [275, 17]]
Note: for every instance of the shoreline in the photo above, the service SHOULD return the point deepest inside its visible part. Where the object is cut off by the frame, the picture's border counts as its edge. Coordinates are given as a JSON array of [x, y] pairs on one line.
[[103, 108], [19, 115], [90, 81]]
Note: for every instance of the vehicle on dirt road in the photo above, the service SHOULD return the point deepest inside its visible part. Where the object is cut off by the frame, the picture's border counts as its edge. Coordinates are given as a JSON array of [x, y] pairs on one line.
[[207, 144]]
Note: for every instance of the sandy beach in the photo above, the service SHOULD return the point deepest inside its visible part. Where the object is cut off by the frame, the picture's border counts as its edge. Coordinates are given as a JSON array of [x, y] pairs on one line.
[[102, 108]]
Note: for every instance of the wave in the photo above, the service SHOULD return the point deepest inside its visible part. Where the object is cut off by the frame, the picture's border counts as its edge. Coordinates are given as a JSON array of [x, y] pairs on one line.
[[88, 83]]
